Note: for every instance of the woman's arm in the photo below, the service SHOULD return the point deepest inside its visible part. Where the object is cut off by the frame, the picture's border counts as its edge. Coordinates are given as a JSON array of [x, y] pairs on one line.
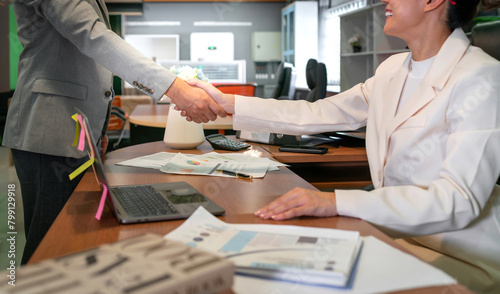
[[344, 111]]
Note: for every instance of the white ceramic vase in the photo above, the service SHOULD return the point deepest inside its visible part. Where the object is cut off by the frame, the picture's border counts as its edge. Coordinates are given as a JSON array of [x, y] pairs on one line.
[[182, 134]]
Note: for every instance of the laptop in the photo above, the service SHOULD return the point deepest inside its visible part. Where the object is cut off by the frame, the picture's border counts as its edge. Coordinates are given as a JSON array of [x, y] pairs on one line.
[[358, 134], [150, 202]]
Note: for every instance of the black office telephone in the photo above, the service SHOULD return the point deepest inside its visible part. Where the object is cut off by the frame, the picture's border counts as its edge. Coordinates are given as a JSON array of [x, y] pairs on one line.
[[219, 141]]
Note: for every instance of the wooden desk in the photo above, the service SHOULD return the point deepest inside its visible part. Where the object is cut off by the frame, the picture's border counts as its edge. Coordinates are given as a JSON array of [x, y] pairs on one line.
[[155, 115], [340, 167], [76, 229], [147, 123]]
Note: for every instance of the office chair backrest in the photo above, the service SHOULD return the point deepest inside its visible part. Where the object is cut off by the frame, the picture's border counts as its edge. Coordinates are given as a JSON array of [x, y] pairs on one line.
[[285, 85], [486, 36], [316, 80], [311, 73]]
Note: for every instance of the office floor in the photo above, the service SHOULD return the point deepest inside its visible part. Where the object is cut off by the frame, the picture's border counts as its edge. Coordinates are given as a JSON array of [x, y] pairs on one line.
[[7, 177]]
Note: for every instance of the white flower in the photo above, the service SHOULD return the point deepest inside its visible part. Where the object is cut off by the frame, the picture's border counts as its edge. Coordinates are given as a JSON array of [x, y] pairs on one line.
[[186, 72], [355, 40]]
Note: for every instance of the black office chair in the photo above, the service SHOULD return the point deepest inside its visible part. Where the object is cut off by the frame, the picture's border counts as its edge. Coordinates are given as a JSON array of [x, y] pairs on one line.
[[316, 80], [485, 35], [285, 85]]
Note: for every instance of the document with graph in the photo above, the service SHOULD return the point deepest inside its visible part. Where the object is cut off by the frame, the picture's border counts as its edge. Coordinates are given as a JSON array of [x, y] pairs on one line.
[[192, 165], [298, 254], [159, 159]]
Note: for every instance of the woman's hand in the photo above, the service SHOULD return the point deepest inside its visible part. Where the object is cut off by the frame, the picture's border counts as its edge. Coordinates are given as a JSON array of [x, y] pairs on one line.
[[226, 101], [298, 202]]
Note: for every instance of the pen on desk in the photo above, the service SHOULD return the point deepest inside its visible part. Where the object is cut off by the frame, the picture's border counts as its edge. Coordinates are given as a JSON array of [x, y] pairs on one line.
[[238, 175]]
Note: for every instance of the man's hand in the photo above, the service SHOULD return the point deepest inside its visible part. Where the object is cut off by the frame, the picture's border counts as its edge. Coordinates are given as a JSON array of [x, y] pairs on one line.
[[194, 102], [298, 202], [104, 144]]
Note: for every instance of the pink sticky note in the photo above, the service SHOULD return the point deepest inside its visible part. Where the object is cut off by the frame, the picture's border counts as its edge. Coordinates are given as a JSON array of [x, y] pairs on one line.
[[102, 202], [81, 143]]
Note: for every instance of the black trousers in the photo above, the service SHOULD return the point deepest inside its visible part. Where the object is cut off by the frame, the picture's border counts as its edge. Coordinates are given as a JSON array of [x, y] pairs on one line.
[[45, 188]]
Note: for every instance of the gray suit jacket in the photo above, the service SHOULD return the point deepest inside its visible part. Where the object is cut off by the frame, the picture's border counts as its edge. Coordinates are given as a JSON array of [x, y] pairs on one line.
[[69, 54]]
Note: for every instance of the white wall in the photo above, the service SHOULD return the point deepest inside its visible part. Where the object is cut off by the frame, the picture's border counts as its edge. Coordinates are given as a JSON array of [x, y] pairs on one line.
[[263, 16]]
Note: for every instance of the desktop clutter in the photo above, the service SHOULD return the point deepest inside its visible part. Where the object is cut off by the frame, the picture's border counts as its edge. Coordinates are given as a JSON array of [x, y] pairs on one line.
[[173, 264], [206, 255], [147, 264]]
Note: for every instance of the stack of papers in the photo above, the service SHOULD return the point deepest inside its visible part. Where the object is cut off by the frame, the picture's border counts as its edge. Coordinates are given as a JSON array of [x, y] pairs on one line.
[[205, 164], [379, 268], [146, 264], [294, 255]]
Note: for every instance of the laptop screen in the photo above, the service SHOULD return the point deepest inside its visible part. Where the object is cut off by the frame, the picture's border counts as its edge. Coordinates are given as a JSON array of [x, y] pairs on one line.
[[93, 152], [161, 201]]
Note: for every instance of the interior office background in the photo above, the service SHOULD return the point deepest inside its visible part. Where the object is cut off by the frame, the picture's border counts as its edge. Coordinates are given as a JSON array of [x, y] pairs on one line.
[[262, 16]]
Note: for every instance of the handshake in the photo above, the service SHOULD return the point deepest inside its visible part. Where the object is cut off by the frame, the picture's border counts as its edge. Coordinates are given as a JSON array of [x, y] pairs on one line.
[[199, 101]]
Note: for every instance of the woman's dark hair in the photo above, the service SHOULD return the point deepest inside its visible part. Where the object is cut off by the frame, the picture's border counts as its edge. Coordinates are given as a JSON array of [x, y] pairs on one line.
[[490, 4], [464, 10]]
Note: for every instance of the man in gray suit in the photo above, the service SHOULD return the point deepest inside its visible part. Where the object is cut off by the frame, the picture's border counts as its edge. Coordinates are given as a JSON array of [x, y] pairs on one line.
[[69, 55]]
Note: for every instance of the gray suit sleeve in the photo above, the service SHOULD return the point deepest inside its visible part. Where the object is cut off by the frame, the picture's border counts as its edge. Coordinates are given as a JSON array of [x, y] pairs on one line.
[[78, 22]]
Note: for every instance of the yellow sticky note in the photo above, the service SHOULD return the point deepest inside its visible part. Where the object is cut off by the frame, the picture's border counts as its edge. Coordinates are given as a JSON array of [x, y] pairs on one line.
[[77, 131], [82, 168]]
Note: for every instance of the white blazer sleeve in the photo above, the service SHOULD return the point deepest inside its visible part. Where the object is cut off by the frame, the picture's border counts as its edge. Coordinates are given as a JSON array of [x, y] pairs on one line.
[[345, 111]]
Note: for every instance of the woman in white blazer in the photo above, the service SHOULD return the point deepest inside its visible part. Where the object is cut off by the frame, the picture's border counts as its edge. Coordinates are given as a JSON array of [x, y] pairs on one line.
[[432, 122]]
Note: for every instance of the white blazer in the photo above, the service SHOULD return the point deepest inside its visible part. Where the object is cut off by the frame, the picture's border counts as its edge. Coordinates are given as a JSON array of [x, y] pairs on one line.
[[434, 164]]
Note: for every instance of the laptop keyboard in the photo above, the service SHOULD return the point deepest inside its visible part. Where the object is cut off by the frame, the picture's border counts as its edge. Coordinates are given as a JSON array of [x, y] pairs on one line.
[[140, 201]]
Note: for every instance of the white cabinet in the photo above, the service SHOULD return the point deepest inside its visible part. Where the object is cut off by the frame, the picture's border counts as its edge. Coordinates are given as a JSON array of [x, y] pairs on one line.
[[367, 22], [266, 46], [299, 31]]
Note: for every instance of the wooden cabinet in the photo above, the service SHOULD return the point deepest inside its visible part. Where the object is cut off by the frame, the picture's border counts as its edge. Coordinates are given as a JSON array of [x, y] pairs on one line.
[[367, 22]]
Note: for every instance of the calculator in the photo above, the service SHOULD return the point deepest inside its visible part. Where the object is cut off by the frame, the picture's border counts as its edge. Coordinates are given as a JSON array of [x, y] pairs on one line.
[[219, 141]]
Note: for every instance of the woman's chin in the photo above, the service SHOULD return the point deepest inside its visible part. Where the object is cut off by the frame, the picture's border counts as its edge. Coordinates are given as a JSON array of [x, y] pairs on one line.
[[387, 31]]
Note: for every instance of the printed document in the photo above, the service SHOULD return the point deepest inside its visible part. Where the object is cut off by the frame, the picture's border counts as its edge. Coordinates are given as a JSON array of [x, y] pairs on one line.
[[380, 268], [191, 165], [155, 161], [294, 254], [158, 160]]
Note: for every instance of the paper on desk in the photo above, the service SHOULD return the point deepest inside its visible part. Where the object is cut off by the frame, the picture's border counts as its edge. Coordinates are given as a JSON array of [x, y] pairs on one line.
[[192, 165], [284, 252], [157, 160], [380, 268], [240, 158]]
